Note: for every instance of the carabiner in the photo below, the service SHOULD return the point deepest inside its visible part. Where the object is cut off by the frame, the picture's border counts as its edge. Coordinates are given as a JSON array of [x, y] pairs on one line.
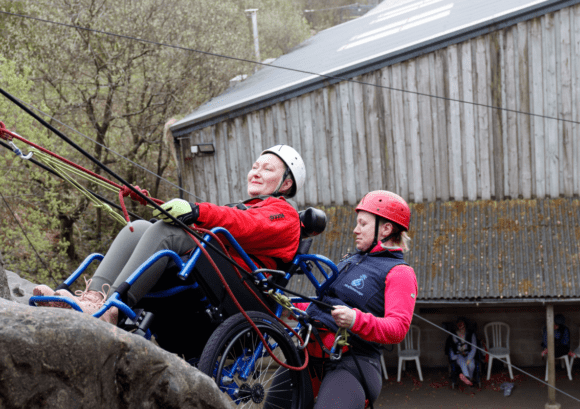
[[301, 347], [336, 356], [19, 152]]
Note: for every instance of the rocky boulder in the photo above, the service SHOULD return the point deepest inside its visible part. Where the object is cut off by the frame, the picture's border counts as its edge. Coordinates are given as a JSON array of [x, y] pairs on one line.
[[56, 358]]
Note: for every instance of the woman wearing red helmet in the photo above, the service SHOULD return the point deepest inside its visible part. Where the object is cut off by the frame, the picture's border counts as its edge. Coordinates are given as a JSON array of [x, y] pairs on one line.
[[374, 296]]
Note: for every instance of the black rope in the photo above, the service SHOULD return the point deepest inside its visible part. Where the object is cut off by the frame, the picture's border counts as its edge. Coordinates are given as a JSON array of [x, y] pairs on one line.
[[43, 166], [309, 299], [29, 241], [110, 150], [119, 178], [331, 77]]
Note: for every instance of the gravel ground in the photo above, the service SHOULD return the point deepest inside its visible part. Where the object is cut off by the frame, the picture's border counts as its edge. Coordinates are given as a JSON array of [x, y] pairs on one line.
[[435, 390]]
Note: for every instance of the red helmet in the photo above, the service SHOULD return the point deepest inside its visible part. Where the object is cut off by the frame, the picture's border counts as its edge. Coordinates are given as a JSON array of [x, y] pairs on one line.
[[387, 205]]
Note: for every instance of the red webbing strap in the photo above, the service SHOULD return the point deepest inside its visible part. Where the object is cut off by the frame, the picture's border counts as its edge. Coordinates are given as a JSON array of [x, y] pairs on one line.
[[236, 302], [125, 191], [7, 135]]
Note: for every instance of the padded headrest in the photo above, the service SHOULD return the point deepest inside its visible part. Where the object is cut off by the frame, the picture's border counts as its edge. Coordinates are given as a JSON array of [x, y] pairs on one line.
[[312, 222]]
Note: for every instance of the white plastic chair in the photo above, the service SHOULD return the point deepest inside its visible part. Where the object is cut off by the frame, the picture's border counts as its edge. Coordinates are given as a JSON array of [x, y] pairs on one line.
[[497, 339], [383, 365], [565, 361], [577, 352], [409, 350]]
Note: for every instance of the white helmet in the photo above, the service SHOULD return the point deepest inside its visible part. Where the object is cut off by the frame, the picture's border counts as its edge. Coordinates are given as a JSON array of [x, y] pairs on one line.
[[294, 161]]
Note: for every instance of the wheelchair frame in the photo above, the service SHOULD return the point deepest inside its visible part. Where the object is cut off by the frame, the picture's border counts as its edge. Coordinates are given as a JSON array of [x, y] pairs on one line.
[[304, 263]]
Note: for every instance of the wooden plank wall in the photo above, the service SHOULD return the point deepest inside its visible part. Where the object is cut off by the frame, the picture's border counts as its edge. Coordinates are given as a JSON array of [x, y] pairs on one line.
[[355, 137]]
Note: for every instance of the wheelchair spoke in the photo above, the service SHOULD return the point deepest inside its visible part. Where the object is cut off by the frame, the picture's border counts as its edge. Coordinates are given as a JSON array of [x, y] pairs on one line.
[[246, 372]]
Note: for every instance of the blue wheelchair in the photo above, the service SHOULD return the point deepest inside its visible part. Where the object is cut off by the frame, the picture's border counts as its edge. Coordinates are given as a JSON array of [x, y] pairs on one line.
[[189, 313]]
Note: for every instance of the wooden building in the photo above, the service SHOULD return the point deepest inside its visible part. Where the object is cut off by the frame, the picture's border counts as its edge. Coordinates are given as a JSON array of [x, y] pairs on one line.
[[469, 109], [440, 138]]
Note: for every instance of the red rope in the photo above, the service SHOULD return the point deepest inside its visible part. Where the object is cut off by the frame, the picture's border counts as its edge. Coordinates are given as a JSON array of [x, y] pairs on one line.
[[3, 133], [7, 135], [238, 305], [123, 190], [126, 191]]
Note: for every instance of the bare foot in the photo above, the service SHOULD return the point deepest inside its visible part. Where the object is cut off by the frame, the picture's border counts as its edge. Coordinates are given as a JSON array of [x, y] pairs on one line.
[[465, 380]]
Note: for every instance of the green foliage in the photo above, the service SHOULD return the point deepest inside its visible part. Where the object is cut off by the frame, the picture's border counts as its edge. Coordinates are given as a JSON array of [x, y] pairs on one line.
[[280, 26], [119, 92], [30, 198]]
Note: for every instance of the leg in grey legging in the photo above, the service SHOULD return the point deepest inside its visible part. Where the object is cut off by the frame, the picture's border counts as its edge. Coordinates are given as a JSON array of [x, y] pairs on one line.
[[342, 386], [125, 256], [340, 389]]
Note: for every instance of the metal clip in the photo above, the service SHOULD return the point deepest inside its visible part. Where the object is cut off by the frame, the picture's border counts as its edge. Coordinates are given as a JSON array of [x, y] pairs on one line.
[[19, 152], [336, 356], [301, 347]]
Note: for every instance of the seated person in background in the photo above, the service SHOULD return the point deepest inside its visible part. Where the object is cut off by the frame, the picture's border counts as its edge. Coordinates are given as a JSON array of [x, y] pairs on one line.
[[561, 338], [461, 352]]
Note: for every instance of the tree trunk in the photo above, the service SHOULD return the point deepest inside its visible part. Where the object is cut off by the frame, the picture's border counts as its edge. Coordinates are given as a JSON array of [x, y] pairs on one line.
[[4, 288]]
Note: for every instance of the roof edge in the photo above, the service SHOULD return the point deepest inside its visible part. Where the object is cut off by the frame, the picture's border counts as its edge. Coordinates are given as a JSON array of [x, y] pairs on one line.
[[312, 84]]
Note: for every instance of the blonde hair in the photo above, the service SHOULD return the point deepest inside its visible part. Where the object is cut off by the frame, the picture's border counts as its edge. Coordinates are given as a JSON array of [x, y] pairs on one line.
[[400, 237]]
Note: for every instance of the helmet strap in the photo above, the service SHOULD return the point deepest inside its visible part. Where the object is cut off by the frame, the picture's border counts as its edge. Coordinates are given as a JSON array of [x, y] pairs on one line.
[[286, 173], [376, 238]]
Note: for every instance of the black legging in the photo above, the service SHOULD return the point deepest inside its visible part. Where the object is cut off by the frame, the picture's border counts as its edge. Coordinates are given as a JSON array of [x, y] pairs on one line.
[[342, 383]]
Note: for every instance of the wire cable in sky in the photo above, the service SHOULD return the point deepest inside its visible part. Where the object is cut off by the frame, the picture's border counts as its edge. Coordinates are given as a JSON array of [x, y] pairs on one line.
[[331, 77], [109, 149], [501, 360]]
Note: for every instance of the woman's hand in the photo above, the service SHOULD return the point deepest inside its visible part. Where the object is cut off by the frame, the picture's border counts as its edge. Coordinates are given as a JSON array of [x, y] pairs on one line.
[[343, 316], [180, 209]]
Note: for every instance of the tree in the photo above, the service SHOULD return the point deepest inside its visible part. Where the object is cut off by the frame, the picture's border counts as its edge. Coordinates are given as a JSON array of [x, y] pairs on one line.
[[280, 26], [120, 91], [30, 202]]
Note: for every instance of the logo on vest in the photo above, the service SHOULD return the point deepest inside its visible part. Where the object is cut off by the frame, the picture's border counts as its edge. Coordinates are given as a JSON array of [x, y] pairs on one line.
[[359, 282]]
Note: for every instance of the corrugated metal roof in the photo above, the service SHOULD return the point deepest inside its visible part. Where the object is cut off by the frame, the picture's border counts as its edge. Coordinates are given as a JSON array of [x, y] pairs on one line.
[[387, 34], [483, 250]]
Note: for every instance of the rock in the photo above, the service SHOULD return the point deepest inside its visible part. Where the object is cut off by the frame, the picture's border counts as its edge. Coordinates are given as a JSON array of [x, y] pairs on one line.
[[20, 289], [4, 288], [57, 358]]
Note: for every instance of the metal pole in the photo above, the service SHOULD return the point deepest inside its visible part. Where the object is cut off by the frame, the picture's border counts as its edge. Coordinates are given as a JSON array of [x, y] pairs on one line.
[[551, 359], [255, 30]]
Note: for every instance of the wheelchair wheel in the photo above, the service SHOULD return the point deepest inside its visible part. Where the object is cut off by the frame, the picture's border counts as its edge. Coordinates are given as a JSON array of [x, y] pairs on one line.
[[235, 357]]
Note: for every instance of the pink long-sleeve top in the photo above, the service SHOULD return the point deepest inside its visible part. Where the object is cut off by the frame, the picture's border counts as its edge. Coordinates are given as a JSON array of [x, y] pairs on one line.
[[400, 296]]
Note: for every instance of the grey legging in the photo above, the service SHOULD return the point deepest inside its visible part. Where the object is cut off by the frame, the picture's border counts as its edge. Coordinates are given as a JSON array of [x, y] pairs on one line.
[[131, 249], [342, 383]]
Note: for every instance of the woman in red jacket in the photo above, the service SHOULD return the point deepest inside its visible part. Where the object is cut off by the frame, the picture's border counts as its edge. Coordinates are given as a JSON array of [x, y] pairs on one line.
[[267, 227], [374, 296]]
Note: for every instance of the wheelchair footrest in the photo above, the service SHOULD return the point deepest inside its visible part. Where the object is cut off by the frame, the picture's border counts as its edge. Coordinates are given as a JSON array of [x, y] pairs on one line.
[[140, 324]]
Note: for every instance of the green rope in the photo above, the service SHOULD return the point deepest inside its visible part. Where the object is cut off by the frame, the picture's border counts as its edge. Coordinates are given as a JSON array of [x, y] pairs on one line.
[[343, 342], [282, 300], [64, 170]]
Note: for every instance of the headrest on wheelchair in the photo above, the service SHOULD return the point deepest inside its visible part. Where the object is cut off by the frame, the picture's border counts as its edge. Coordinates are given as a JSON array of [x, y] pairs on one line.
[[312, 222]]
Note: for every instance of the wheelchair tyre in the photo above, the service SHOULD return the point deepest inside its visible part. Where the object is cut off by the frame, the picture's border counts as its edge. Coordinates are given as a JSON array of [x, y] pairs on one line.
[[229, 352]]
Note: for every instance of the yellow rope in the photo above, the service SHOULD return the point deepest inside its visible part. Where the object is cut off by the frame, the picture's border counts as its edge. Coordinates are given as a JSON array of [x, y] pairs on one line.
[[63, 170]]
